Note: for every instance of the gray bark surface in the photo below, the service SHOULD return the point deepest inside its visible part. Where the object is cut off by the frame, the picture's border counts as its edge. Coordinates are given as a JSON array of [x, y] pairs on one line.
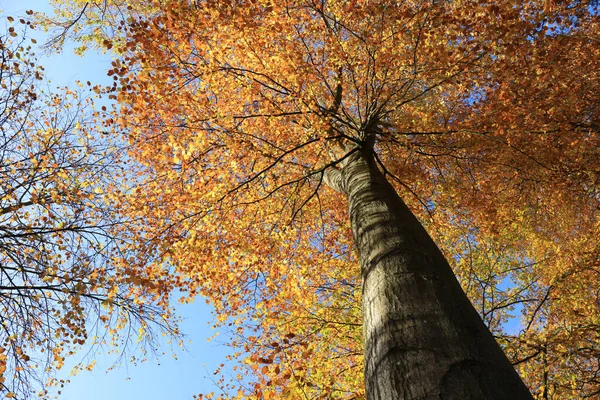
[[423, 339]]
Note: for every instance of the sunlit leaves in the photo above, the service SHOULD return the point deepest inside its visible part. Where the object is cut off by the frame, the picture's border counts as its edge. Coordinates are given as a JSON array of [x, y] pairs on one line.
[[63, 280], [486, 117]]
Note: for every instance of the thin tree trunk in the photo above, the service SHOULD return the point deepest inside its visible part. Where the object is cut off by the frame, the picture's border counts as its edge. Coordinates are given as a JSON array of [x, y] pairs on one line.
[[423, 339]]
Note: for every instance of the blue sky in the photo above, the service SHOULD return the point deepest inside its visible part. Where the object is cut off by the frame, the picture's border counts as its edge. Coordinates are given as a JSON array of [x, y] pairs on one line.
[[166, 378]]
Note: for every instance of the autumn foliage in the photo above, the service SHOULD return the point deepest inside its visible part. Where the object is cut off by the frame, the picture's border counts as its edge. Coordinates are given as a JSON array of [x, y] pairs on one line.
[[484, 115], [62, 280]]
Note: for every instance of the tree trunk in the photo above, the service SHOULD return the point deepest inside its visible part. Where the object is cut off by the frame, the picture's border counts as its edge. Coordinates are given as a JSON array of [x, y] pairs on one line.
[[423, 339]]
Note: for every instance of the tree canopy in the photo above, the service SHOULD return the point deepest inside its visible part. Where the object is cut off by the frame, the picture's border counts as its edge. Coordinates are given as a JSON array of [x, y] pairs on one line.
[[63, 280], [483, 115]]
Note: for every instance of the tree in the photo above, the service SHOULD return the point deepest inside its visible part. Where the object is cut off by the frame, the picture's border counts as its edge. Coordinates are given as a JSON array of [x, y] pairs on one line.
[[255, 122], [62, 280]]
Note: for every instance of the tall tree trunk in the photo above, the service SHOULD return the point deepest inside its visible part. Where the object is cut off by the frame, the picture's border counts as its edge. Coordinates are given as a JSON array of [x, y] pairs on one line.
[[423, 339]]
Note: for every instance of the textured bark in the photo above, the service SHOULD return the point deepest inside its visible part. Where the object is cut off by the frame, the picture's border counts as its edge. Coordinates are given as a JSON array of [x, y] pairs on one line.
[[423, 338]]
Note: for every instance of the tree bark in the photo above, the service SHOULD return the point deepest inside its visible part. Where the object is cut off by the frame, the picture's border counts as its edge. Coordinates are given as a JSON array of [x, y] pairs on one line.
[[423, 339]]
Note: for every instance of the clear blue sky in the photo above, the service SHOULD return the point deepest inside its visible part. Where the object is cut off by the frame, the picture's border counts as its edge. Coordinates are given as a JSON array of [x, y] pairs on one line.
[[166, 378]]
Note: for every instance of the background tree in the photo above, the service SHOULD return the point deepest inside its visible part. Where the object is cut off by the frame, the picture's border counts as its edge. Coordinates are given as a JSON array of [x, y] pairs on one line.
[[484, 117], [61, 281]]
